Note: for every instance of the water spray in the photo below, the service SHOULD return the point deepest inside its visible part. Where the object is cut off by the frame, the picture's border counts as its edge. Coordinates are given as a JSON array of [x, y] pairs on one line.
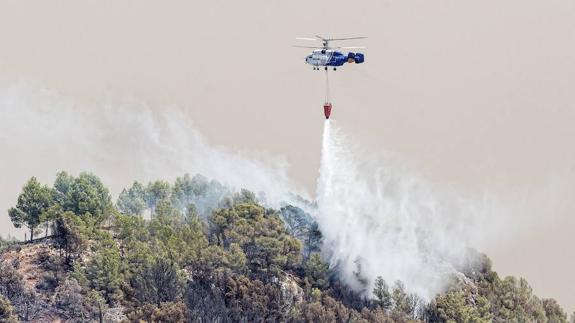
[[378, 220]]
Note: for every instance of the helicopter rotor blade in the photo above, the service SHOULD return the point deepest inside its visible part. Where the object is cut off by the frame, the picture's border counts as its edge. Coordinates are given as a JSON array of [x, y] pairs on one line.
[[348, 38], [352, 47], [321, 47], [307, 38], [320, 38]]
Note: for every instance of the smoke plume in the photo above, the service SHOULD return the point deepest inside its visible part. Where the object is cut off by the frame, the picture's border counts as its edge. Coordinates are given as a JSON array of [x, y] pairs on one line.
[[43, 133], [378, 218]]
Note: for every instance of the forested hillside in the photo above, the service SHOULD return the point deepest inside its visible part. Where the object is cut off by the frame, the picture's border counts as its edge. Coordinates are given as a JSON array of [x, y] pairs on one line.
[[198, 251]]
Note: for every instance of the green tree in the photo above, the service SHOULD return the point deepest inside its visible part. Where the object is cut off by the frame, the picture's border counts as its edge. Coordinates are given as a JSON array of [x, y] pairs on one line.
[[453, 307], [133, 200], [382, 294], [88, 198], [155, 192], [403, 302], [164, 208], [195, 241], [237, 258], [32, 202], [297, 221], [69, 235], [191, 214], [316, 272], [159, 281], [95, 305], [129, 228], [49, 216], [314, 239], [104, 270], [62, 184], [260, 233], [184, 192], [554, 312], [244, 197], [513, 299]]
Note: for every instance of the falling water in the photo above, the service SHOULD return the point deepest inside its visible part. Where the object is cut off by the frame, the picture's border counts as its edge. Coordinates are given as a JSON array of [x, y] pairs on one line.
[[380, 221]]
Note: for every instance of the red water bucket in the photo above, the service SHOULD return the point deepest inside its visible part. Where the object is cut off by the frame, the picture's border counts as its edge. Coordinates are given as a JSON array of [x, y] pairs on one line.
[[327, 109]]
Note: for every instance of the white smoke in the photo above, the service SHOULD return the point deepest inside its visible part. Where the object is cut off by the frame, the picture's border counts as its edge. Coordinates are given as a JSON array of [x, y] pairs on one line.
[[43, 133], [378, 220]]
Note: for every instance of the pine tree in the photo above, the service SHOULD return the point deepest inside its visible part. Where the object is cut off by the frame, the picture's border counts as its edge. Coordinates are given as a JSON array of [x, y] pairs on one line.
[[382, 294], [32, 202]]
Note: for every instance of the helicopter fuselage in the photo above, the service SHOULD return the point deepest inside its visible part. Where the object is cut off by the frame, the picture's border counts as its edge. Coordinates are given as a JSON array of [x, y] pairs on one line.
[[328, 57]]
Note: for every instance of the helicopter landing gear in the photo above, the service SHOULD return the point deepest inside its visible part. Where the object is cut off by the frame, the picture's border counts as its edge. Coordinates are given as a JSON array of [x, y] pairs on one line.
[[325, 68], [335, 69]]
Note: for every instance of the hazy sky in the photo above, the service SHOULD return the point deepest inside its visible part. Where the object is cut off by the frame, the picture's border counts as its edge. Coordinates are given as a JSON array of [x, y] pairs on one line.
[[474, 95]]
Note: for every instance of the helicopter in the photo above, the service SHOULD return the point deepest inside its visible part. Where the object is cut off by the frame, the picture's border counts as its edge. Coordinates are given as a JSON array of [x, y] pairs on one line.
[[328, 56]]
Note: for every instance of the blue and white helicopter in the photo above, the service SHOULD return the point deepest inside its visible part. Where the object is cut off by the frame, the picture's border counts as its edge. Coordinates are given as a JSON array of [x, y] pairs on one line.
[[328, 56]]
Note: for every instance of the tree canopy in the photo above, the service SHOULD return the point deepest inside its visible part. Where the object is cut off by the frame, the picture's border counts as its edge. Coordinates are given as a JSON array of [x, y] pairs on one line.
[[34, 200], [207, 253]]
